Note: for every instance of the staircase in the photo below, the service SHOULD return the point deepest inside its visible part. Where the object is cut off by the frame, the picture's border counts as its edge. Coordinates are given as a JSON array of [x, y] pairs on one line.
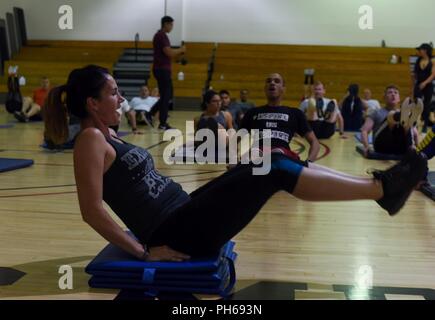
[[132, 70]]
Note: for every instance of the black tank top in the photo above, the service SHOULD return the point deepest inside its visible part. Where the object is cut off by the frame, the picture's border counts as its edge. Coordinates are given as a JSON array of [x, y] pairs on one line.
[[137, 193], [422, 74]]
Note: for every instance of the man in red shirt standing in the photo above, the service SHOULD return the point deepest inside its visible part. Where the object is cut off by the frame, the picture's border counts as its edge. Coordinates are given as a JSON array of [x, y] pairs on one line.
[[32, 106], [163, 53]]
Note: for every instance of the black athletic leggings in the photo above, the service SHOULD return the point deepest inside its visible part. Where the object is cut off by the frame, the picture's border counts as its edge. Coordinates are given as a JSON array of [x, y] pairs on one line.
[[426, 95], [164, 82], [221, 208]]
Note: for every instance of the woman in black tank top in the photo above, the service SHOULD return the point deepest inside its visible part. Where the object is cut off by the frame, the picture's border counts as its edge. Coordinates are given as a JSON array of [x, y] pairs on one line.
[[170, 224], [424, 74]]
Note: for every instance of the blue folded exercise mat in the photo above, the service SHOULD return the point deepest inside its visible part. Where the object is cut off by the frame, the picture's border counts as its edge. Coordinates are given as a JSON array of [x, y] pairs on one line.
[[373, 155], [7, 164], [113, 268], [429, 188]]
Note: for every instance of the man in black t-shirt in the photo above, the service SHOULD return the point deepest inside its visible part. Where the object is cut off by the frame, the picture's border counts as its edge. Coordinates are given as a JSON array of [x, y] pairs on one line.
[[284, 122]]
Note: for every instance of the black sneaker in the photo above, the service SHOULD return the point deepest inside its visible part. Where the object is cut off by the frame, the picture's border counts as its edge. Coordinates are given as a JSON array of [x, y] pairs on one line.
[[20, 116], [330, 108], [165, 127], [399, 181]]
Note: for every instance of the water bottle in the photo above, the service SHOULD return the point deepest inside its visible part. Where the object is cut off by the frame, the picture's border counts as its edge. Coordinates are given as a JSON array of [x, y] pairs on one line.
[[181, 76]]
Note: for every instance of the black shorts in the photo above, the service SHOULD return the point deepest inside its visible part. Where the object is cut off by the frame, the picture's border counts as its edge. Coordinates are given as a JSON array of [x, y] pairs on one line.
[[393, 141], [322, 129]]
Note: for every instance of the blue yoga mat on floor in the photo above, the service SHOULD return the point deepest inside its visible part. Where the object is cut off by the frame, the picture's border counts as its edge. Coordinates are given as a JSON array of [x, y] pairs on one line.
[[429, 188], [113, 268], [7, 164], [373, 155]]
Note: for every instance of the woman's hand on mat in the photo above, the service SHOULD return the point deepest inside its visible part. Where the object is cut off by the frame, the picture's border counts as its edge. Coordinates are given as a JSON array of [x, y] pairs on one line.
[[165, 253]]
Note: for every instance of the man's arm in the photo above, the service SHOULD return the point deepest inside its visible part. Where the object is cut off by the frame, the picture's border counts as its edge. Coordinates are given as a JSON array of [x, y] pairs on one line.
[[172, 53], [415, 134], [365, 130], [314, 146], [340, 121]]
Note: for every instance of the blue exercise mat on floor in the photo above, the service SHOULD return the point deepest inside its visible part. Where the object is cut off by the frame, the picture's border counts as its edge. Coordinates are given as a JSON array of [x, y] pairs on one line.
[[7, 164], [373, 155], [429, 188], [113, 268]]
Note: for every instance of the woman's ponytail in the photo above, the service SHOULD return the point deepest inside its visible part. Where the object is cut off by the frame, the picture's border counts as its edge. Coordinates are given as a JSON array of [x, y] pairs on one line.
[[55, 114]]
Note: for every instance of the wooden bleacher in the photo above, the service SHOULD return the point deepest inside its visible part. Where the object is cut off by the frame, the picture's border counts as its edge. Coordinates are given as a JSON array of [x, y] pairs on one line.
[[240, 66], [237, 66], [56, 59]]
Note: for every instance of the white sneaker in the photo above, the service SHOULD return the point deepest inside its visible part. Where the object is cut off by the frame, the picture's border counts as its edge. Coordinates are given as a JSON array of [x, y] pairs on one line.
[[416, 112], [405, 111], [410, 111]]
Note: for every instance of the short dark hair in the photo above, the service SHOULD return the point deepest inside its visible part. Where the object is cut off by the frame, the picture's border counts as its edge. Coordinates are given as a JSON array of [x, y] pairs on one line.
[[391, 86], [166, 19], [224, 92]]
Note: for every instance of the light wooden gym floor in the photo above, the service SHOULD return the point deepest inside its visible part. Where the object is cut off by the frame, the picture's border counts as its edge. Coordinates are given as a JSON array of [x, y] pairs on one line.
[[290, 241]]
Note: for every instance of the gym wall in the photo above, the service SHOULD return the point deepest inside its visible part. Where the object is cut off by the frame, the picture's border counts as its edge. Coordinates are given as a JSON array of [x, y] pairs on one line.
[[401, 23]]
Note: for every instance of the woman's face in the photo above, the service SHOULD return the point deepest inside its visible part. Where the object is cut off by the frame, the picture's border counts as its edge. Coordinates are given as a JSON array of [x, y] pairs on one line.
[[215, 104], [108, 103]]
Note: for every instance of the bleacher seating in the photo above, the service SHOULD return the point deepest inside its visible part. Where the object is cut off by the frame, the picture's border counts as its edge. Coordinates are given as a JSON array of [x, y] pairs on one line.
[[240, 66], [55, 59]]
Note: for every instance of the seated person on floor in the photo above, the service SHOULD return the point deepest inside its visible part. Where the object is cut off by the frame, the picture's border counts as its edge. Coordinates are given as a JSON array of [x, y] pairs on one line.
[[372, 104], [244, 103], [129, 113], [393, 127], [322, 113], [352, 109], [32, 106], [143, 104], [284, 122], [233, 108], [214, 118]]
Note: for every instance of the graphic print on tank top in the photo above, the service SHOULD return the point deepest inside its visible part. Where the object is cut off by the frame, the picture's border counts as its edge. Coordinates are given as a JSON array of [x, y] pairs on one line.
[[140, 158]]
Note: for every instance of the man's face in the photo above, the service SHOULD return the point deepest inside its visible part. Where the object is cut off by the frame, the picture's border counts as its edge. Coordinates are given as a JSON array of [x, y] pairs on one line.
[[144, 92], [244, 95], [226, 99], [274, 87], [168, 26], [392, 97], [367, 94], [319, 91], [45, 83]]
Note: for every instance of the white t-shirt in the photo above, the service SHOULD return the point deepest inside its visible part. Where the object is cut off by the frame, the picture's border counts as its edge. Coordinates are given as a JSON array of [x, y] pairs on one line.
[[140, 104], [326, 101], [372, 105]]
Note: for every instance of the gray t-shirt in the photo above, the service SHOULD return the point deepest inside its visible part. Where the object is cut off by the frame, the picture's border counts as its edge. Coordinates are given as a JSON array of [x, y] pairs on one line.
[[245, 106], [378, 117], [235, 111]]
